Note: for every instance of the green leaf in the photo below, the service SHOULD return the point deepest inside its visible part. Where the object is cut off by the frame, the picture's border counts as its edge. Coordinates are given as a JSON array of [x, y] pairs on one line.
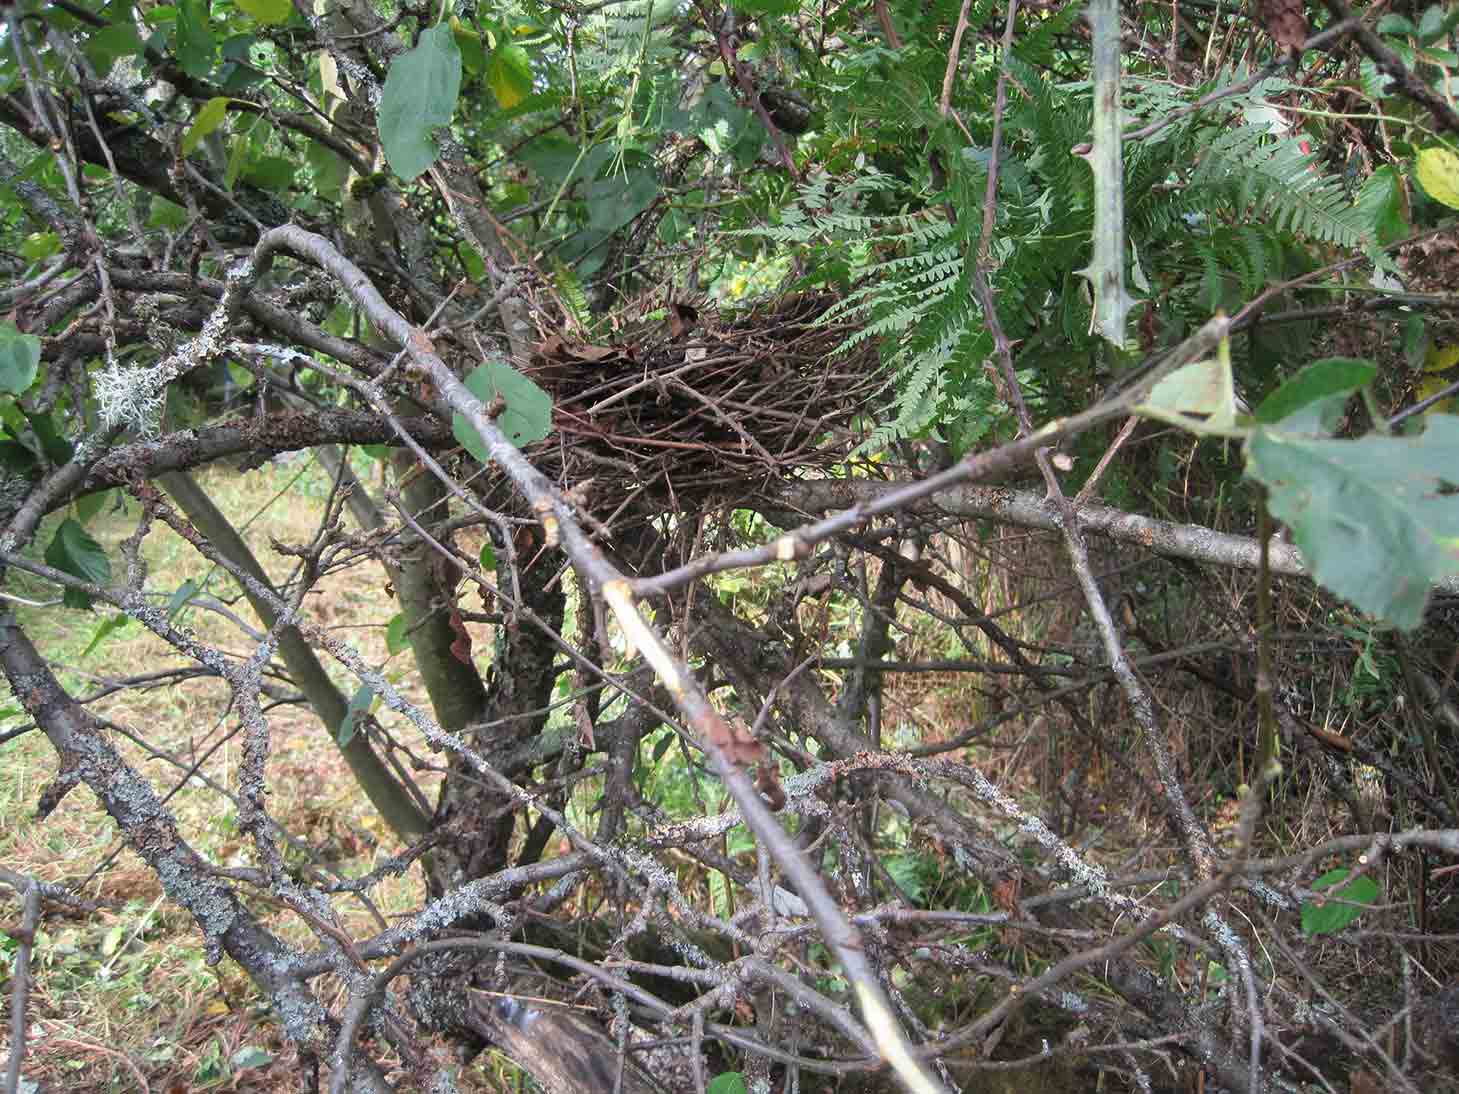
[[662, 745], [16, 457], [906, 871], [509, 75], [1431, 24], [1381, 203], [106, 630], [359, 706], [12, 418], [39, 245], [420, 94], [56, 447], [528, 414], [1322, 382], [185, 592], [251, 1055], [769, 7], [88, 505], [614, 201], [104, 47], [570, 290], [377, 452], [74, 552], [165, 214], [1341, 906], [552, 159], [487, 558], [475, 267], [728, 1082], [396, 636], [1200, 397], [267, 11], [271, 172], [195, 44], [329, 171], [1369, 515], [208, 119], [20, 359], [239, 150], [473, 56]]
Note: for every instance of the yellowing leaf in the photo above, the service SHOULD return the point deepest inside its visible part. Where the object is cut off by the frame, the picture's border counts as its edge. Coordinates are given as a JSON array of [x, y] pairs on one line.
[[1438, 172], [1432, 385], [509, 75], [209, 118], [1439, 359], [268, 11], [1200, 397]]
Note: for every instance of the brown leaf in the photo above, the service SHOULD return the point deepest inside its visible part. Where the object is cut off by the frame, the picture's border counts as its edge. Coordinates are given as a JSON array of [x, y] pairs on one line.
[[767, 781], [461, 647], [551, 346], [682, 319], [1005, 895], [592, 354], [1286, 22], [733, 738]]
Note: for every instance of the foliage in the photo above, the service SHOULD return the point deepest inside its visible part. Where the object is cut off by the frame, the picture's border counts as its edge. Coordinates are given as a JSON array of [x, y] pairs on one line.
[[1340, 905], [520, 700], [419, 95], [525, 414]]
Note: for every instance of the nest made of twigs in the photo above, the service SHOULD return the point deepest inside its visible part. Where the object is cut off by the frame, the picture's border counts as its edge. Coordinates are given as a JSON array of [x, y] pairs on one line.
[[704, 403]]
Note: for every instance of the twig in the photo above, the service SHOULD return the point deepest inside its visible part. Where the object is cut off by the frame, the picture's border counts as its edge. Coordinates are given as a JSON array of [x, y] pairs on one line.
[[30, 919], [952, 56], [1408, 85]]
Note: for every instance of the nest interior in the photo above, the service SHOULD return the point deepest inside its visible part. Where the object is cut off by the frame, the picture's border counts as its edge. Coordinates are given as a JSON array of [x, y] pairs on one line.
[[704, 405]]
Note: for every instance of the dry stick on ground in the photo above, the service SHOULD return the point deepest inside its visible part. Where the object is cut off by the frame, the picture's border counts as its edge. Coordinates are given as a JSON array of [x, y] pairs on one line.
[[30, 919]]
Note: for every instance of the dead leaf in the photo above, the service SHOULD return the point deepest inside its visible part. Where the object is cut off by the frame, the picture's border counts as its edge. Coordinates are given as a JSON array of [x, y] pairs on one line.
[[551, 346], [767, 781], [591, 354], [682, 319], [1286, 22], [733, 738]]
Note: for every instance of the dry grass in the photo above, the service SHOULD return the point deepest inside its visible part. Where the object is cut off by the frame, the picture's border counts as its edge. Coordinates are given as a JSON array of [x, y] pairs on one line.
[[126, 996]]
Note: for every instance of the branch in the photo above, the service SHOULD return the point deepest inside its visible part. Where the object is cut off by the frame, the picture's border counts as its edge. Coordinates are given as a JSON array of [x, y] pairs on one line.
[[1033, 509], [260, 439], [227, 924], [725, 747], [1407, 84], [20, 991], [993, 464]]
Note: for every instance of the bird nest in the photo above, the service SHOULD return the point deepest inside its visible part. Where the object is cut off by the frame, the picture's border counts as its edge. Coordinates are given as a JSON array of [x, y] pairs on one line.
[[702, 406]]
